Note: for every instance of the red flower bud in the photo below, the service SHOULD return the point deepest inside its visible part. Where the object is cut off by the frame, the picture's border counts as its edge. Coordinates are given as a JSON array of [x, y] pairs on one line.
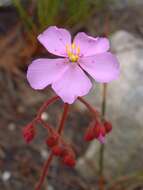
[[57, 150], [69, 160], [102, 131], [89, 135], [52, 140], [29, 133], [107, 126], [97, 130]]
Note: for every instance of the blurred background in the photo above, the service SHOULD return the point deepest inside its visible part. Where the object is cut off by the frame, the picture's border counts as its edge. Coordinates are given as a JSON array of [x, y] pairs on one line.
[[20, 164]]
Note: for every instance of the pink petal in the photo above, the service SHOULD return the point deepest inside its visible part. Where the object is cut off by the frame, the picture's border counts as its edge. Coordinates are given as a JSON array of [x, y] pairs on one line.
[[102, 67], [101, 139], [72, 84], [43, 72], [89, 45], [55, 39]]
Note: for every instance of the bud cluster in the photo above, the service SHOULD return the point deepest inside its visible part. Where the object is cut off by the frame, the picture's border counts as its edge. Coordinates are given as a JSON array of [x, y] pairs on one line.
[[61, 149], [97, 130]]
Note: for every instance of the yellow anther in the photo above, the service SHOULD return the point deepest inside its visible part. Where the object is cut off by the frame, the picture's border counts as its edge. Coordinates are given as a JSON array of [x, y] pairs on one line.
[[73, 46], [73, 58], [72, 52], [78, 50], [68, 50]]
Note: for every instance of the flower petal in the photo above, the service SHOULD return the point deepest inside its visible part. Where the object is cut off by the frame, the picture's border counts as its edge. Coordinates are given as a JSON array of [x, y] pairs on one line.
[[55, 39], [102, 67], [101, 139], [43, 72], [72, 84], [89, 45]]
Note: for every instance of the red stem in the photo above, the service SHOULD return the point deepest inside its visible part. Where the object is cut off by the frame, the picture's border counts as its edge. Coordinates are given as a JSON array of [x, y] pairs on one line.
[[47, 126], [44, 172], [45, 105], [91, 108], [51, 156], [63, 119]]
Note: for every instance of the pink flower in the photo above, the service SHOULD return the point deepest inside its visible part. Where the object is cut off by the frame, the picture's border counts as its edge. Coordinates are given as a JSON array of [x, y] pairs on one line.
[[67, 74]]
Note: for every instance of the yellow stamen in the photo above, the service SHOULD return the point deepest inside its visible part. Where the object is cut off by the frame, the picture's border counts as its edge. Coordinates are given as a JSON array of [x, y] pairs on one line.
[[73, 46], [67, 49], [78, 50], [72, 52]]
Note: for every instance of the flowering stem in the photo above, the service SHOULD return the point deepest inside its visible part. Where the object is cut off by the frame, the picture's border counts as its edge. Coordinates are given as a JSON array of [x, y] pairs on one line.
[[45, 105], [44, 172], [50, 129], [51, 156], [102, 146], [63, 119], [91, 108]]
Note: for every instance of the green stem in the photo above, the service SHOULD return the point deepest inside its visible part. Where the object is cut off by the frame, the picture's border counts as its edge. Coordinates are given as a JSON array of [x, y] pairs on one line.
[[102, 146]]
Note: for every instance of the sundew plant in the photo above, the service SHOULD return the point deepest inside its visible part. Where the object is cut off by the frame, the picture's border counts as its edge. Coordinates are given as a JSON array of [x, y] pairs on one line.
[[67, 75], [78, 61]]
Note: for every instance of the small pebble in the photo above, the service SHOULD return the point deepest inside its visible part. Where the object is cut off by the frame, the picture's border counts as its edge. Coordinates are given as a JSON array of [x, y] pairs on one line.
[[6, 176], [11, 126], [44, 116], [20, 109], [44, 154], [50, 187]]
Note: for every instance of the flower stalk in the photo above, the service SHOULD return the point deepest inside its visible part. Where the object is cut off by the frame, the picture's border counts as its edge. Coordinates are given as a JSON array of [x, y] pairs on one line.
[[44, 172], [63, 118], [45, 105], [94, 112], [51, 156], [102, 146]]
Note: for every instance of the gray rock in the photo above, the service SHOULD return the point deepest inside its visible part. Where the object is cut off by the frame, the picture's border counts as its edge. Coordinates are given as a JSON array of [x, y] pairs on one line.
[[5, 2], [127, 3], [124, 147]]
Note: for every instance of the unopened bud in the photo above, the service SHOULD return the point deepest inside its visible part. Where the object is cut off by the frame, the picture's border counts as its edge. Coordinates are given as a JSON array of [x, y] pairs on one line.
[[29, 133], [108, 126], [52, 140]]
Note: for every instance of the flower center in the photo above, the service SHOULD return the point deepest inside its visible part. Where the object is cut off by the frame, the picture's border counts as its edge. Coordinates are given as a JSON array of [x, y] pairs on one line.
[[73, 52]]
